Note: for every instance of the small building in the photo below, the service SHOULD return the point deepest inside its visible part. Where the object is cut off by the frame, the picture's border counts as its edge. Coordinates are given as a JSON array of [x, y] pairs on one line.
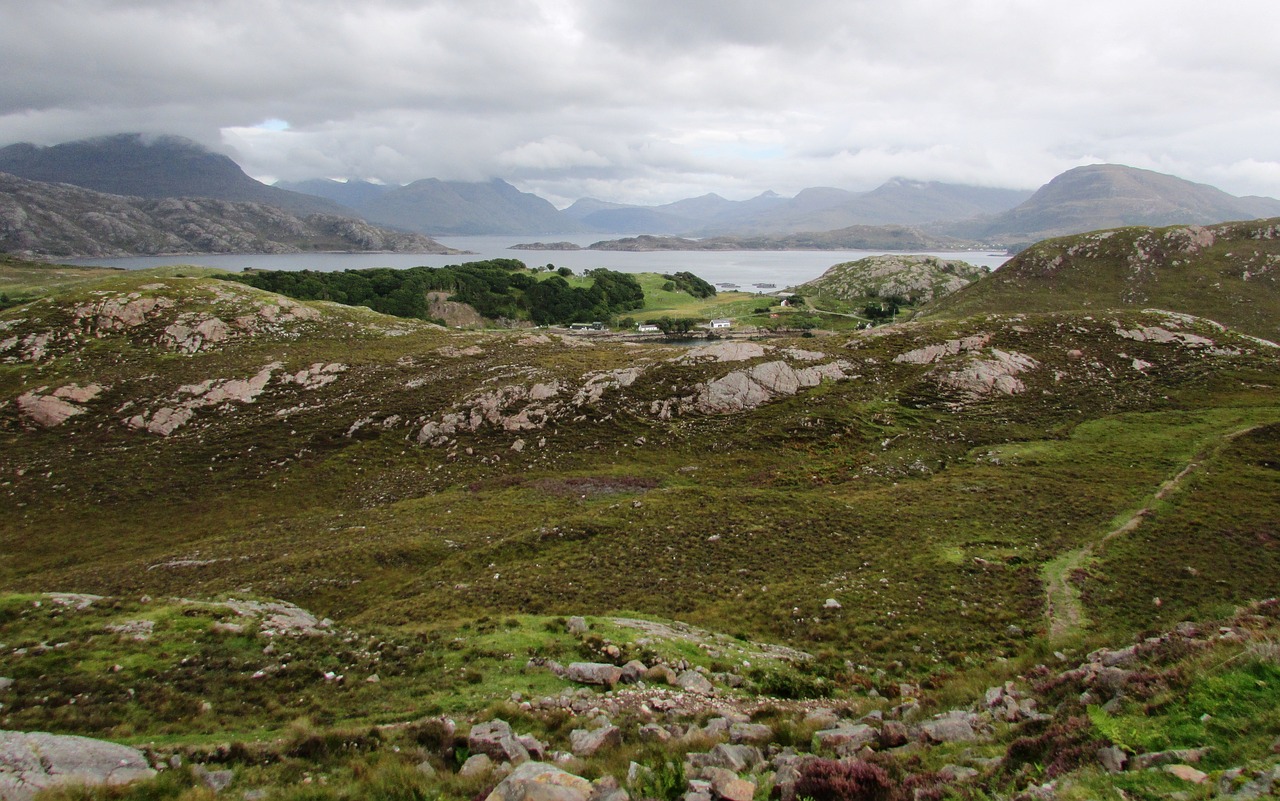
[[721, 323], [647, 328]]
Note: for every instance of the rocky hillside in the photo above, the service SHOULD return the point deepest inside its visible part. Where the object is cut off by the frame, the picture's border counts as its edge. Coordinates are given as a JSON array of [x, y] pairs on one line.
[[914, 279], [961, 555], [153, 167], [1228, 272], [59, 220], [1110, 196]]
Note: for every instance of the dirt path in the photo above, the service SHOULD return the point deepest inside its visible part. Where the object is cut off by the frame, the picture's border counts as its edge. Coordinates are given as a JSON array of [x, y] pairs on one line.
[[1063, 608]]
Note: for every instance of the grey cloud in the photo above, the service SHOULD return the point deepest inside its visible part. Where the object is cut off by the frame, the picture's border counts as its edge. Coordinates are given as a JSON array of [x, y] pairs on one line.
[[653, 100]]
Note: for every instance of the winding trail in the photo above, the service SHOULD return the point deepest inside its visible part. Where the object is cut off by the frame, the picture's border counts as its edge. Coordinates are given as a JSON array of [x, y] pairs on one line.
[[1063, 609]]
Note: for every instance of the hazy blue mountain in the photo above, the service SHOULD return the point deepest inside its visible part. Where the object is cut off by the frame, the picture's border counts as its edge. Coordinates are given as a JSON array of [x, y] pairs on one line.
[[152, 167], [897, 202], [352, 194], [436, 207], [1112, 196]]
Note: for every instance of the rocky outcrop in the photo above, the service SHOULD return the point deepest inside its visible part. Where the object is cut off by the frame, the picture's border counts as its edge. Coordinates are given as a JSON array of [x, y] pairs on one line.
[[741, 390], [971, 374], [915, 279], [33, 761], [48, 410]]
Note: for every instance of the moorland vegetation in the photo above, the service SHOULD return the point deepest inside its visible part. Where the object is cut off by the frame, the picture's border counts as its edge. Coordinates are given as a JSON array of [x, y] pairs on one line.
[[300, 549]]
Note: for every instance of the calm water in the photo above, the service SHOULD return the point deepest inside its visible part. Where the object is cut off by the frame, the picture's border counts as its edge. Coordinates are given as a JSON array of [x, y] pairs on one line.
[[784, 268]]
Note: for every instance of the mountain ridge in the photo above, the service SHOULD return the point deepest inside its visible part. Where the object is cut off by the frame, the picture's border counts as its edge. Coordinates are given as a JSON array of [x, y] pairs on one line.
[[63, 220], [167, 166]]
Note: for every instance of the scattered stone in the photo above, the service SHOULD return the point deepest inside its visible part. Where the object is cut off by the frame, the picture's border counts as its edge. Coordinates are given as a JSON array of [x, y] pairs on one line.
[[737, 758], [1150, 760], [1187, 773], [215, 780], [726, 785], [477, 765], [652, 732], [957, 773], [1113, 759]]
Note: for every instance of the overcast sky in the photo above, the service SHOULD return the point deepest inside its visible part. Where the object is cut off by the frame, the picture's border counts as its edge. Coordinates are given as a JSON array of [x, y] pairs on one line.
[[649, 101]]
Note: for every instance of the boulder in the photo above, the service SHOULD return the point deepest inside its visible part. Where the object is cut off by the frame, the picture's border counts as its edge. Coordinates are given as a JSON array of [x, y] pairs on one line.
[[495, 739], [32, 761], [577, 626], [599, 673], [634, 671], [694, 682], [215, 780], [476, 765], [726, 786], [1112, 758], [845, 740], [893, 734], [950, 728], [737, 758], [753, 733], [585, 743], [538, 781]]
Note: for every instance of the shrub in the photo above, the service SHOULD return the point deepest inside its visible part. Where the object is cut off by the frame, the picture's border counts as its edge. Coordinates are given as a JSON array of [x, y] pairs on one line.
[[664, 781], [835, 780], [1062, 746]]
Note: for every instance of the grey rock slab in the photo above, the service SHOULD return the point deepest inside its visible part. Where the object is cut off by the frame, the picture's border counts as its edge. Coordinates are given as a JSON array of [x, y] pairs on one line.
[[32, 761], [600, 673], [538, 781], [586, 743]]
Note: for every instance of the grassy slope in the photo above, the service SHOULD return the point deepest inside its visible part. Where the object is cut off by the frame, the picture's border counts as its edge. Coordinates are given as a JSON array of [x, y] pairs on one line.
[[754, 521], [1229, 273]]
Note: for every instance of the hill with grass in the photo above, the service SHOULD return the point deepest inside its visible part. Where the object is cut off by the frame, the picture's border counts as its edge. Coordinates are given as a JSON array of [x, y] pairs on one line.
[[303, 549], [909, 279], [60, 220], [1229, 273]]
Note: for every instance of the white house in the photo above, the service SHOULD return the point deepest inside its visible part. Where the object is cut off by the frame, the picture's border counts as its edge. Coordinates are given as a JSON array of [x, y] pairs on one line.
[[647, 328], [721, 324]]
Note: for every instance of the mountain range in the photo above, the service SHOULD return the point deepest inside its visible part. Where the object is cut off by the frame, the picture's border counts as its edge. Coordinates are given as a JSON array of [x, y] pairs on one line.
[[1082, 199]]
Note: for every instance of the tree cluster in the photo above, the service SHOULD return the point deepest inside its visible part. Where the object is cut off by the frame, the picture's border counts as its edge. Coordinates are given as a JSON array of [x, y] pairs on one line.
[[496, 288], [688, 282]]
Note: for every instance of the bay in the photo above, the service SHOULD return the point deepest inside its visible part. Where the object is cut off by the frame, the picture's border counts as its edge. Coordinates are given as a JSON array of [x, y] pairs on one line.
[[744, 268]]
